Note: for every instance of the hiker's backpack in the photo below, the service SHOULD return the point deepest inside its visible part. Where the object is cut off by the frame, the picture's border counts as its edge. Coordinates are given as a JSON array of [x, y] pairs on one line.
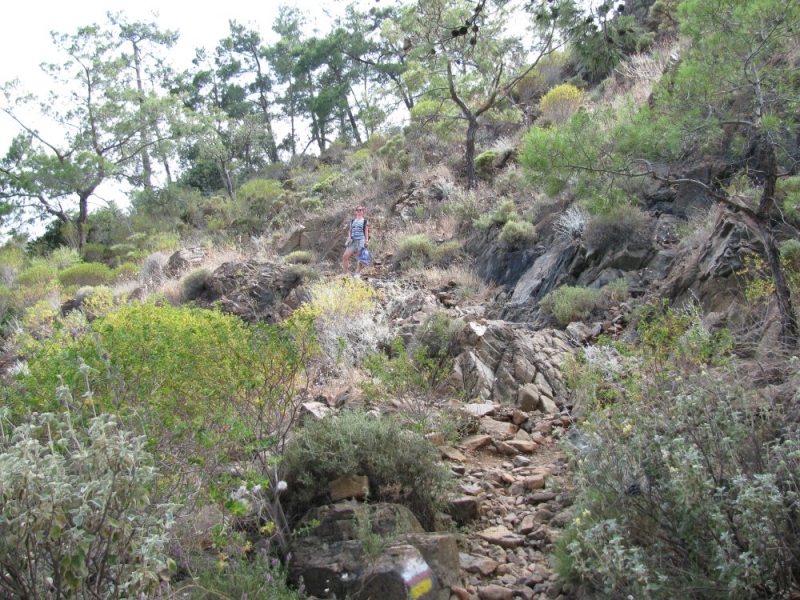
[[364, 231]]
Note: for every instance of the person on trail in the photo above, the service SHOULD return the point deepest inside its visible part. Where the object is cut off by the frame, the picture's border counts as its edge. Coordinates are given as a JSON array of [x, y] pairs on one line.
[[357, 238]]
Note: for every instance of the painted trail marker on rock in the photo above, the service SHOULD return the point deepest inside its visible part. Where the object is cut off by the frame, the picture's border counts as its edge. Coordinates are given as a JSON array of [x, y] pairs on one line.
[[418, 577]]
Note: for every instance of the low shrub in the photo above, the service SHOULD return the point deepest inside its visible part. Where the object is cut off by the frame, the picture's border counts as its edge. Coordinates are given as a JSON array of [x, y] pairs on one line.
[[76, 518], [357, 443], [89, 273], [507, 211], [571, 303], [560, 103], [194, 284], [621, 226], [686, 480], [414, 248], [92, 253], [446, 252], [299, 257], [37, 275], [299, 275], [126, 272], [484, 163], [95, 302], [518, 233]]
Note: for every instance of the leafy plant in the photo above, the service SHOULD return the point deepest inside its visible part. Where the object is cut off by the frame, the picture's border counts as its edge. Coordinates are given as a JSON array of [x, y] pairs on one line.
[[76, 518], [560, 103], [356, 443], [89, 273]]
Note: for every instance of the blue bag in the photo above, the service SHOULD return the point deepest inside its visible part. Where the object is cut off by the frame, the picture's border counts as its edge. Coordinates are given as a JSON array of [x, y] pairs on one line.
[[364, 257]]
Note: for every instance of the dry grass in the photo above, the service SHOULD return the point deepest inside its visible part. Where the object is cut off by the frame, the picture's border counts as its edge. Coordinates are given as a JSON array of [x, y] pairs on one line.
[[635, 77], [699, 226], [467, 285]]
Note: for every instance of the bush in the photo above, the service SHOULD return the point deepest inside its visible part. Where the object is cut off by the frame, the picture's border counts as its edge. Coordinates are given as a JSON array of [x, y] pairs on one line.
[[126, 272], [194, 284], [76, 520], [37, 275], [560, 103], [484, 163], [94, 252], [356, 443], [569, 303], [417, 247], [299, 275], [89, 273], [299, 257], [507, 211], [686, 481], [95, 302], [345, 319], [621, 226], [518, 233], [446, 252]]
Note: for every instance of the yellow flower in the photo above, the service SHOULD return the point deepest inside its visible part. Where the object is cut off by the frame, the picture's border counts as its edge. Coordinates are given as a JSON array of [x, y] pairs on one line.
[[627, 428], [577, 520]]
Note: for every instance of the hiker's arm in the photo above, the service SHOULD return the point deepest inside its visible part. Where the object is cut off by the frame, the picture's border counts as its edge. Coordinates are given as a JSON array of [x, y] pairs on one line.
[[366, 234]]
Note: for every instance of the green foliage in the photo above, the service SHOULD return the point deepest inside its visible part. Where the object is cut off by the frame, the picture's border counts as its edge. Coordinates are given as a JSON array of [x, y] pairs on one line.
[[560, 103], [484, 163], [94, 253], [414, 248], [38, 274], [446, 252], [299, 257], [356, 443], [619, 226], [518, 233], [573, 303], [90, 273], [507, 211], [597, 50], [344, 314], [299, 274], [194, 283], [790, 255], [256, 574], [686, 480], [96, 301], [76, 518], [127, 271], [64, 257], [394, 153], [788, 194]]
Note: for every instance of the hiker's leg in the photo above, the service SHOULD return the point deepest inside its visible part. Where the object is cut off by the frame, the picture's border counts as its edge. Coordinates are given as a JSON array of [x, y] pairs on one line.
[[346, 261]]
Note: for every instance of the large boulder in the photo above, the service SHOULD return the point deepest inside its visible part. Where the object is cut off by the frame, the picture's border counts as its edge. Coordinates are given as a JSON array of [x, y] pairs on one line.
[[252, 291], [373, 551], [511, 363]]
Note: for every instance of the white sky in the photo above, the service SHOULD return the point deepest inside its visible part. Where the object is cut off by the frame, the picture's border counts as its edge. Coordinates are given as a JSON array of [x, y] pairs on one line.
[[25, 40], [25, 28]]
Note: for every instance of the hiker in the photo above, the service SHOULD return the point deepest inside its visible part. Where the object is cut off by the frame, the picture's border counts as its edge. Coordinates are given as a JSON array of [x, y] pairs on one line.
[[357, 238]]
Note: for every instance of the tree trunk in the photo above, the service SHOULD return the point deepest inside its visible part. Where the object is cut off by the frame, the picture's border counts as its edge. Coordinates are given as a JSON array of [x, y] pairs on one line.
[[147, 169], [469, 153], [83, 216]]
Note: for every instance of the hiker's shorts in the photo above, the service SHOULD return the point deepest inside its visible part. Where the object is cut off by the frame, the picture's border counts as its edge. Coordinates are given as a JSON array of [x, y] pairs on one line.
[[355, 245]]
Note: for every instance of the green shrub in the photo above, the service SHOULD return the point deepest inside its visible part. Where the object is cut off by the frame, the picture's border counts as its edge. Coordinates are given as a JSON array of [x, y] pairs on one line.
[[95, 301], [299, 257], [417, 247], [560, 103], [64, 257], [76, 518], [484, 163], [356, 443], [621, 226], [312, 203], [299, 275], [518, 233], [89, 273], [258, 575], [94, 253], [507, 211], [37, 275], [127, 271], [687, 480], [446, 252], [194, 284], [790, 254], [568, 303]]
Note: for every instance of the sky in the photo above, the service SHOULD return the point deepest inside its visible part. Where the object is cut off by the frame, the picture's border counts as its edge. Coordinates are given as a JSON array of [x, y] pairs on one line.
[[25, 40]]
